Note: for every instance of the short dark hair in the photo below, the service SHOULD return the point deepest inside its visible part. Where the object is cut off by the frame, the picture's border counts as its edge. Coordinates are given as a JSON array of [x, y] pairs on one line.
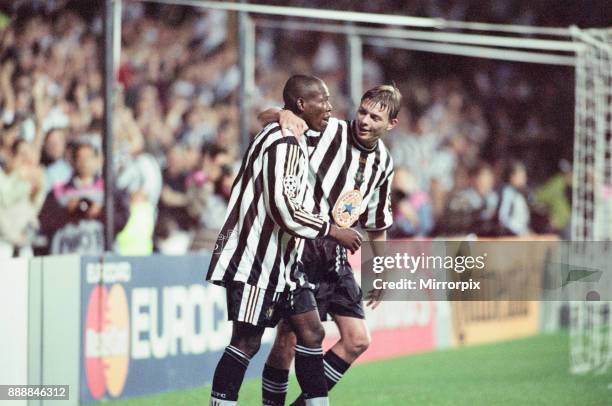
[[299, 86], [212, 149], [388, 97], [81, 144], [511, 167], [479, 168]]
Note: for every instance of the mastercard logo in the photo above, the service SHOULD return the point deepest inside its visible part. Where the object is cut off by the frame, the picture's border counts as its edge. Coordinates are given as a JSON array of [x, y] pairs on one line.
[[107, 341]]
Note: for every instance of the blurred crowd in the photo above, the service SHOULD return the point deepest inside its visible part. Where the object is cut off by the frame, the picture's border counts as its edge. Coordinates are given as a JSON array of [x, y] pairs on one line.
[[479, 148]]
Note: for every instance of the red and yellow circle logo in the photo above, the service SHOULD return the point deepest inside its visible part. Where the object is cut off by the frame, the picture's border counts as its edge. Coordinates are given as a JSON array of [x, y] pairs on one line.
[[107, 341]]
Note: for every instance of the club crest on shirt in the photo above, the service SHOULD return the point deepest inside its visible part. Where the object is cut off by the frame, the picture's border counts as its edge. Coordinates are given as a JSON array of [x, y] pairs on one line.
[[347, 208]]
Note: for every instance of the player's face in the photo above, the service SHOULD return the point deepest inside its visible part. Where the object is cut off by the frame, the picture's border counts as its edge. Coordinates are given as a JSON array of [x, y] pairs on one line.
[[372, 123], [317, 109]]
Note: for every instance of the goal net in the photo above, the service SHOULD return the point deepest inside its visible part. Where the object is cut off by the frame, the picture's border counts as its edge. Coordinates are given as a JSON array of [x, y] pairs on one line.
[[590, 320]]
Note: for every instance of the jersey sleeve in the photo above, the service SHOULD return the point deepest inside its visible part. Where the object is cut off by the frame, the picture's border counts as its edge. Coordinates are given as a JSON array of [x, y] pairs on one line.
[[378, 215], [285, 185]]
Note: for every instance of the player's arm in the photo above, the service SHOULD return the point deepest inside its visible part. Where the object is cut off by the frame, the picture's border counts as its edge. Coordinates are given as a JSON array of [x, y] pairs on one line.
[[377, 218], [284, 187], [290, 123]]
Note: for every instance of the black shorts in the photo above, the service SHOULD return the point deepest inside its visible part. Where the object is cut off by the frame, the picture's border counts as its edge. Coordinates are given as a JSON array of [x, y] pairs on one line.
[[264, 308], [337, 292], [298, 301]]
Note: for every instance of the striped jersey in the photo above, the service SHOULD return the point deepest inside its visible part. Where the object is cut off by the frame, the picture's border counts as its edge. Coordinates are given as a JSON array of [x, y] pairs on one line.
[[261, 241], [350, 182]]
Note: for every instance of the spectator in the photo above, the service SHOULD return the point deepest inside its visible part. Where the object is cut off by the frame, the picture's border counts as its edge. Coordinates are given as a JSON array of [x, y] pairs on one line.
[[7, 95], [21, 196], [137, 170], [72, 216], [8, 137], [207, 200], [57, 168], [514, 213], [475, 208], [199, 201], [173, 218], [136, 238], [415, 148], [411, 207], [555, 197]]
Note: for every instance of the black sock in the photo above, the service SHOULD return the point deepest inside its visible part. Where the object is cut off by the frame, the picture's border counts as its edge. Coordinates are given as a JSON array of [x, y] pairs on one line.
[[309, 371], [229, 375], [274, 385], [335, 367]]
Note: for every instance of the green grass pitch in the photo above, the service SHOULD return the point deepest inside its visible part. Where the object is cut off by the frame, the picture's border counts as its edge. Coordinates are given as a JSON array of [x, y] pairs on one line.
[[531, 371]]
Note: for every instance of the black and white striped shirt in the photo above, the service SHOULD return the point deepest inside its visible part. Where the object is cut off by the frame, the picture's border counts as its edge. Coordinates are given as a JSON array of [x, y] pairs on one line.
[[340, 165], [262, 238]]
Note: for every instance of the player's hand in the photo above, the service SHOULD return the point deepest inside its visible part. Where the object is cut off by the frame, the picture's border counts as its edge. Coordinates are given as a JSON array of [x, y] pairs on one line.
[[374, 298], [347, 237], [291, 124]]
